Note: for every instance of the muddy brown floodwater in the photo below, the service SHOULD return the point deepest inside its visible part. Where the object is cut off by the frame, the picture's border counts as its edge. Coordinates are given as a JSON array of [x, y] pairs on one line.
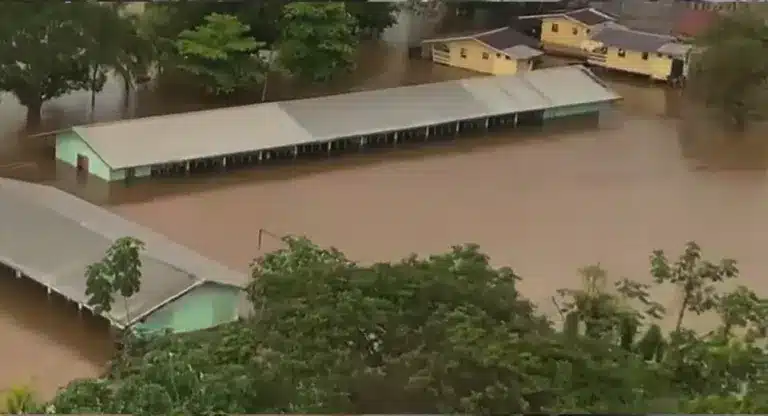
[[545, 204]]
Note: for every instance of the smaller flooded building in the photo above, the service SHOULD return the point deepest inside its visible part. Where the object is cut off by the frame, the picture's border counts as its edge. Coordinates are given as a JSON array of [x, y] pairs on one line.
[[260, 134], [51, 237], [502, 51], [660, 57]]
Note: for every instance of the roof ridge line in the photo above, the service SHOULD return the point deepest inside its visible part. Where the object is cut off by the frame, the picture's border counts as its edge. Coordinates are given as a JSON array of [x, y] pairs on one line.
[[642, 32], [491, 31], [540, 93]]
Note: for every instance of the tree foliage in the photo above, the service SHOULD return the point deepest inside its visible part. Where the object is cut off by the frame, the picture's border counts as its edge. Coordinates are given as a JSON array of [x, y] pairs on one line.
[[373, 17], [49, 50], [43, 52], [448, 333], [730, 73], [318, 40], [221, 55], [117, 274]]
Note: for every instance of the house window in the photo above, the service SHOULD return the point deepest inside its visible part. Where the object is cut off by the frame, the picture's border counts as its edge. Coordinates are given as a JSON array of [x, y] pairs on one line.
[[622, 53], [463, 52], [555, 28], [575, 31], [659, 55], [485, 55], [509, 58], [587, 31], [498, 55], [645, 56]]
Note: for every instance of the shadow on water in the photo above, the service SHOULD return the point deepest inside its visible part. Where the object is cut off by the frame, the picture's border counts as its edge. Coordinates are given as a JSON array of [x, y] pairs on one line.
[[708, 146]]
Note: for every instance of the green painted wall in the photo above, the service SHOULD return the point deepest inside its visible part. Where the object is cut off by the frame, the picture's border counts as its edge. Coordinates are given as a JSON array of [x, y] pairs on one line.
[[204, 307], [70, 144], [573, 110]]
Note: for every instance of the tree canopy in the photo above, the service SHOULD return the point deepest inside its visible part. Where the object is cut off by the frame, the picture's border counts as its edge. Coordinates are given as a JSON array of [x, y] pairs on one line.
[[730, 72], [449, 333], [221, 55], [318, 40], [48, 52]]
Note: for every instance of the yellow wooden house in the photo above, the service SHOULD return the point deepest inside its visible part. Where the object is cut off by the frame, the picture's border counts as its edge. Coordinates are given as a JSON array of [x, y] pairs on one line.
[[565, 32], [660, 57], [502, 51]]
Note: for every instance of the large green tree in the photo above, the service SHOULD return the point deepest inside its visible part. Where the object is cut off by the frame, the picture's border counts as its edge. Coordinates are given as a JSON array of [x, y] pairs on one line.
[[730, 70], [45, 52], [318, 40], [119, 45], [220, 55], [372, 17], [447, 334]]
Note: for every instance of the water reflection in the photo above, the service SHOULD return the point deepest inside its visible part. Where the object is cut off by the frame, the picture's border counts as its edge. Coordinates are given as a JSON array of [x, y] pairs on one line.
[[46, 341]]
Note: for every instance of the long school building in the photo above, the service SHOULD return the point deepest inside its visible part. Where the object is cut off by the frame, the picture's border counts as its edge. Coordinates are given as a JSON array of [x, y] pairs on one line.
[[261, 133]]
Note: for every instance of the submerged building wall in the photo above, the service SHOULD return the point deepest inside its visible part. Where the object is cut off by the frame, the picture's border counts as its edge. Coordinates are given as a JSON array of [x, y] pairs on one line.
[[69, 145], [204, 307]]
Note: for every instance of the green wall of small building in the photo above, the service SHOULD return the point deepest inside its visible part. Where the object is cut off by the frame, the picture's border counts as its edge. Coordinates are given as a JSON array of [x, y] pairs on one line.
[[203, 307], [69, 145], [572, 110]]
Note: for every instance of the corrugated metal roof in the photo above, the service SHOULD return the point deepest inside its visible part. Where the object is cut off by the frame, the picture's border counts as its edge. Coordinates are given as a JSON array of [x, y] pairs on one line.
[[194, 135], [572, 85], [251, 128], [504, 94], [369, 112], [53, 236]]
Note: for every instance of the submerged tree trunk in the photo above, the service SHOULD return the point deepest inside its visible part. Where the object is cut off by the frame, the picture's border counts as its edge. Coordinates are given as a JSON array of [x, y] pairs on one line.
[[34, 113]]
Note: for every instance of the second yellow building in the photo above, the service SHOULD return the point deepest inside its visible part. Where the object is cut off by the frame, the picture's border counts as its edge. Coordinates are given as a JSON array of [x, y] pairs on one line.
[[659, 57], [502, 51], [564, 32]]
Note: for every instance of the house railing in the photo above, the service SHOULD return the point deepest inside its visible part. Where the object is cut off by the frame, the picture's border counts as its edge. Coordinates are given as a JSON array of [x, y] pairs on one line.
[[596, 58], [440, 56]]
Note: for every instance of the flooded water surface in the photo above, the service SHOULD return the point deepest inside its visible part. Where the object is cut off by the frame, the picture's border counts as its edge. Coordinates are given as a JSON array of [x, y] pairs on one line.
[[545, 204]]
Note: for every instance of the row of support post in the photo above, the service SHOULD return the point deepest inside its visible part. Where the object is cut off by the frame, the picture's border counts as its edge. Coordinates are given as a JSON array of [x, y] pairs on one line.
[[49, 290], [445, 131]]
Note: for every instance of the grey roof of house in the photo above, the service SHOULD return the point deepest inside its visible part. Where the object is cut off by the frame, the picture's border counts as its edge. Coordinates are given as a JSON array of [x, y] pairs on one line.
[[506, 38], [675, 49], [213, 133], [523, 52], [501, 38], [590, 16], [629, 39], [52, 236]]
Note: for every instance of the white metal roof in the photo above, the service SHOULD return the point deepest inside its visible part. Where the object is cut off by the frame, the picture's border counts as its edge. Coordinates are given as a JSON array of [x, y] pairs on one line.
[[202, 134], [52, 236]]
